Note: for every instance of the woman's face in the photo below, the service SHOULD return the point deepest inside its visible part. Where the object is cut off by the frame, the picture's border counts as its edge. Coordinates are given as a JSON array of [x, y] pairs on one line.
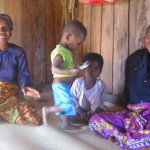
[[147, 40], [5, 30], [92, 71]]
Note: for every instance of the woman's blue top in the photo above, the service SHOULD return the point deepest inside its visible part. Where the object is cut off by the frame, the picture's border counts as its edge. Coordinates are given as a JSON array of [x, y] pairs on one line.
[[13, 65]]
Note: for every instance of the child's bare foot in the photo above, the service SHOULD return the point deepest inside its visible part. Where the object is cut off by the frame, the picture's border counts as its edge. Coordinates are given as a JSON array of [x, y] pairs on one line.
[[71, 127], [45, 115]]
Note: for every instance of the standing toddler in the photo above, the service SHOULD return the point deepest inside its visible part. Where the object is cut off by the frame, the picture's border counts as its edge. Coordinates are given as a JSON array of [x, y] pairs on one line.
[[64, 72]]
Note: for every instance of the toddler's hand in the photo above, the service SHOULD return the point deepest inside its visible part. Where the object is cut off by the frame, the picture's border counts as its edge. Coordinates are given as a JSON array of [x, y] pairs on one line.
[[84, 116], [74, 70]]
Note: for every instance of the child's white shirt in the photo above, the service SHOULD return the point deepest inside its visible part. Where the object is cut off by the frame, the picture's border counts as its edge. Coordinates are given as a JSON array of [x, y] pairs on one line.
[[93, 95]]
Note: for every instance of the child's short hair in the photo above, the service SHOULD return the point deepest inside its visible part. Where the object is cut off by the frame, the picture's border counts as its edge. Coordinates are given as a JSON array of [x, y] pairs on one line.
[[8, 19], [75, 26], [92, 56]]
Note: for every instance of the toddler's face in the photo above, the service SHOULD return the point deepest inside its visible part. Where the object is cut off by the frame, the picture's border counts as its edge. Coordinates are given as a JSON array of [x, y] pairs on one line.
[[92, 71], [75, 41]]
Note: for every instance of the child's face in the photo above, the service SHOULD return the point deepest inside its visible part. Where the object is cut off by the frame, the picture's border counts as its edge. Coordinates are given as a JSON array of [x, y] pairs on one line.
[[74, 41], [93, 71]]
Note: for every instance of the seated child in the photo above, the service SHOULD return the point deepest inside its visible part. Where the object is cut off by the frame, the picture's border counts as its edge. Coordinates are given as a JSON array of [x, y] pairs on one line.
[[87, 91]]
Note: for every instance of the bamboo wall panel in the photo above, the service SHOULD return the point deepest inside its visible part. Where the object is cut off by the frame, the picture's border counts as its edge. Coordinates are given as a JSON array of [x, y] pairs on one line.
[[17, 20], [39, 41], [120, 45], [28, 32], [3, 6], [79, 16], [132, 25], [87, 22], [95, 26], [107, 44], [51, 38], [58, 20]]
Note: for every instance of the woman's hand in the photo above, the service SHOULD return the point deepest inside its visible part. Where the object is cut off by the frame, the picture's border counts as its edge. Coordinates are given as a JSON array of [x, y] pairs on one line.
[[27, 91]]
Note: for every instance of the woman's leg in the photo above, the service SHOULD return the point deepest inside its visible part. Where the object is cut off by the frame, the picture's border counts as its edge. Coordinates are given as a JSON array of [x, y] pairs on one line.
[[21, 113], [14, 109]]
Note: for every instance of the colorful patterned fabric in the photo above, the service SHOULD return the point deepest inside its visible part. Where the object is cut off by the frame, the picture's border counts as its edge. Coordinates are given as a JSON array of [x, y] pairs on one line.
[[14, 109], [130, 129]]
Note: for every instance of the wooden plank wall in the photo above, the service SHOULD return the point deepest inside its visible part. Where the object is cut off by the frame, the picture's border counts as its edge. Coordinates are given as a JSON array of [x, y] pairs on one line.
[[115, 30]]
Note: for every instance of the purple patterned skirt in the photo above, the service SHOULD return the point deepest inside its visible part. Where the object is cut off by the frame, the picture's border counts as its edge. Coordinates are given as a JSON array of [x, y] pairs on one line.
[[130, 129]]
